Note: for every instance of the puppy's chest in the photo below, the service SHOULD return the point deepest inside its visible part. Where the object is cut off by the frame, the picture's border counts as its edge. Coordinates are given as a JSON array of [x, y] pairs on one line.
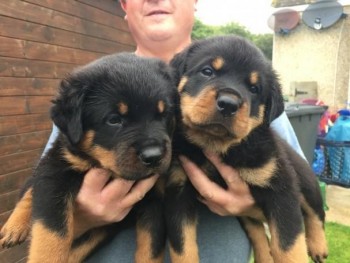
[[255, 158], [255, 162]]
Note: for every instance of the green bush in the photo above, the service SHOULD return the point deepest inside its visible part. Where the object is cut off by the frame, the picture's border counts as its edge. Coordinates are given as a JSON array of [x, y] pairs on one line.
[[263, 41]]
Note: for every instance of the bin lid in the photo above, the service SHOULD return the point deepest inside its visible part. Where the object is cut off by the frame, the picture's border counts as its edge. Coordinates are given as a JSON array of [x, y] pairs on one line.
[[298, 109]]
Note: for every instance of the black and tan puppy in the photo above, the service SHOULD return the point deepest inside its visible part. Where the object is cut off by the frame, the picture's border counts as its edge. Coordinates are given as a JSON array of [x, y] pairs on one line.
[[116, 113], [229, 94]]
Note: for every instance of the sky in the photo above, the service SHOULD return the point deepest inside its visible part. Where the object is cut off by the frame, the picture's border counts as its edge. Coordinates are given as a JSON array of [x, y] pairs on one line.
[[253, 14]]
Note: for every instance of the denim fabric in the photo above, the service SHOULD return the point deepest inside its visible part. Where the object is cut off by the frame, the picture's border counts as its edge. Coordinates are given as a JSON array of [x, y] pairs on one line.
[[284, 129], [220, 239]]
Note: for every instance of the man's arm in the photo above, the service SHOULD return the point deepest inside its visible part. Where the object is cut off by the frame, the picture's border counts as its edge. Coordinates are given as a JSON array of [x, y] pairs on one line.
[[284, 128]]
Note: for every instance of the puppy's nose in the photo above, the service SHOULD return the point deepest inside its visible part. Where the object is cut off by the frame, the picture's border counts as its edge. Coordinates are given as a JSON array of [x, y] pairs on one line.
[[227, 105], [151, 155]]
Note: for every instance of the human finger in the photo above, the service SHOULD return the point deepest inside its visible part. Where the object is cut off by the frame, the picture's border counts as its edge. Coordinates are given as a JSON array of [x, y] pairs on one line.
[[206, 188], [230, 175], [215, 208], [95, 179], [139, 190], [234, 200], [116, 189]]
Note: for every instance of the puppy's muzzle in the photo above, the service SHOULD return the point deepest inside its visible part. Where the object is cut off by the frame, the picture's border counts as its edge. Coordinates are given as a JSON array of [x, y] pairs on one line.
[[151, 154], [228, 104]]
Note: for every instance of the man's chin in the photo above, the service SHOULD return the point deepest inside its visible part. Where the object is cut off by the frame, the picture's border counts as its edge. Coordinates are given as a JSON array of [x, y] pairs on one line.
[[160, 33], [159, 18]]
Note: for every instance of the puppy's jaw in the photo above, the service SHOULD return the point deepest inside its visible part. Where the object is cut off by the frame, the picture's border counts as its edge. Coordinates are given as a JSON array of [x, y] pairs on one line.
[[205, 126]]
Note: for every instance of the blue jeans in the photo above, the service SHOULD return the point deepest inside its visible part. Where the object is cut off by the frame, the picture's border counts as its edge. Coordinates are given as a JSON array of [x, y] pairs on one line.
[[220, 239]]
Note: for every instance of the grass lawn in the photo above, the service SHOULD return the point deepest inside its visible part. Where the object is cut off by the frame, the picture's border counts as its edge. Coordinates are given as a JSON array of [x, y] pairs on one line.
[[338, 238]]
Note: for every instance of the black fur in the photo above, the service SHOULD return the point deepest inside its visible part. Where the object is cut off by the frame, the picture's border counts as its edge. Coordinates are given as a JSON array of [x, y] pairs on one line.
[[279, 197], [117, 107]]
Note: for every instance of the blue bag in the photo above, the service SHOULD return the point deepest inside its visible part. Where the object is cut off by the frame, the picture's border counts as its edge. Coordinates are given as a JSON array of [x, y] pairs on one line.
[[339, 157]]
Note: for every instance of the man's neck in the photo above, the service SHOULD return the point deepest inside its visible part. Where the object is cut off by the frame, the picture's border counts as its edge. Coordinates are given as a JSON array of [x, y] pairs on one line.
[[161, 50]]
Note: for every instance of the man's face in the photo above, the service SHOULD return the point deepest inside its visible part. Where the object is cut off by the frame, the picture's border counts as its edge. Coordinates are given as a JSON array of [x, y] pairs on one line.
[[158, 19]]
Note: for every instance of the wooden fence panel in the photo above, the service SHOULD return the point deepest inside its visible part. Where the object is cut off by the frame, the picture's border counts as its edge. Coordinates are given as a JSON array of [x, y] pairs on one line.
[[40, 42], [18, 124], [24, 30], [46, 16]]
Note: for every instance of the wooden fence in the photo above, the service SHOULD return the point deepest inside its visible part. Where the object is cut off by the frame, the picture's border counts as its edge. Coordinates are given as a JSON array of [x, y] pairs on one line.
[[40, 41]]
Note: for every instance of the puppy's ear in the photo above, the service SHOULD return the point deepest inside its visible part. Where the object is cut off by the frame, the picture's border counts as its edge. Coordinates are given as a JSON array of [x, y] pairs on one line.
[[167, 71], [66, 111], [275, 103], [178, 63]]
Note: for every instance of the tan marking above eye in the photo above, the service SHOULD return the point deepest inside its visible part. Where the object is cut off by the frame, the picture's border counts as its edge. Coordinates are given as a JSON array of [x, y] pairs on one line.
[[123, 108], [254, 78], [161, 106], [218, 63], [182, 84]]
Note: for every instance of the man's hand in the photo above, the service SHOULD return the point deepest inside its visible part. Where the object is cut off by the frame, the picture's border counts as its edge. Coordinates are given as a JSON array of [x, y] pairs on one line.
[[101, 201], [235, 200]]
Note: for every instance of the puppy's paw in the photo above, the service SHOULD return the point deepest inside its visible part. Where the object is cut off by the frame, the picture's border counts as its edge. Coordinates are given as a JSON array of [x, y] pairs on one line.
[[319, 258], [13, 234], [318, 254], [317, 246]]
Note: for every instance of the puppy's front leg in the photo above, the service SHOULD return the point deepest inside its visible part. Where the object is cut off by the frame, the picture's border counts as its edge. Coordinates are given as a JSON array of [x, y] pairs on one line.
[[314, 228], [52, 232], [85, 244], [181, 218], [150, 233], [257, 235], [184, 248], [17, 227], [285, 222]]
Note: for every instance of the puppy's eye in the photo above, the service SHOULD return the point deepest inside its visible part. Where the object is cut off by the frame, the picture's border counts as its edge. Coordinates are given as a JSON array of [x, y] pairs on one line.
[[254, 89], [207, 71], [114, 120]]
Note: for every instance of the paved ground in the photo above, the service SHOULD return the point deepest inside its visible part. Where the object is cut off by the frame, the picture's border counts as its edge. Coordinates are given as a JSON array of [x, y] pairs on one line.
[[338, 201]]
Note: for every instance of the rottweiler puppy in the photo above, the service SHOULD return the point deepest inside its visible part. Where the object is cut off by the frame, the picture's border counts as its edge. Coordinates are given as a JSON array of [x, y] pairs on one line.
[[229, 94], [115, 113]]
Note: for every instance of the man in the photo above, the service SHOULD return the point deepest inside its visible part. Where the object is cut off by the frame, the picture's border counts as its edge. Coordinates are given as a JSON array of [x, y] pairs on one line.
[[162, 28]]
